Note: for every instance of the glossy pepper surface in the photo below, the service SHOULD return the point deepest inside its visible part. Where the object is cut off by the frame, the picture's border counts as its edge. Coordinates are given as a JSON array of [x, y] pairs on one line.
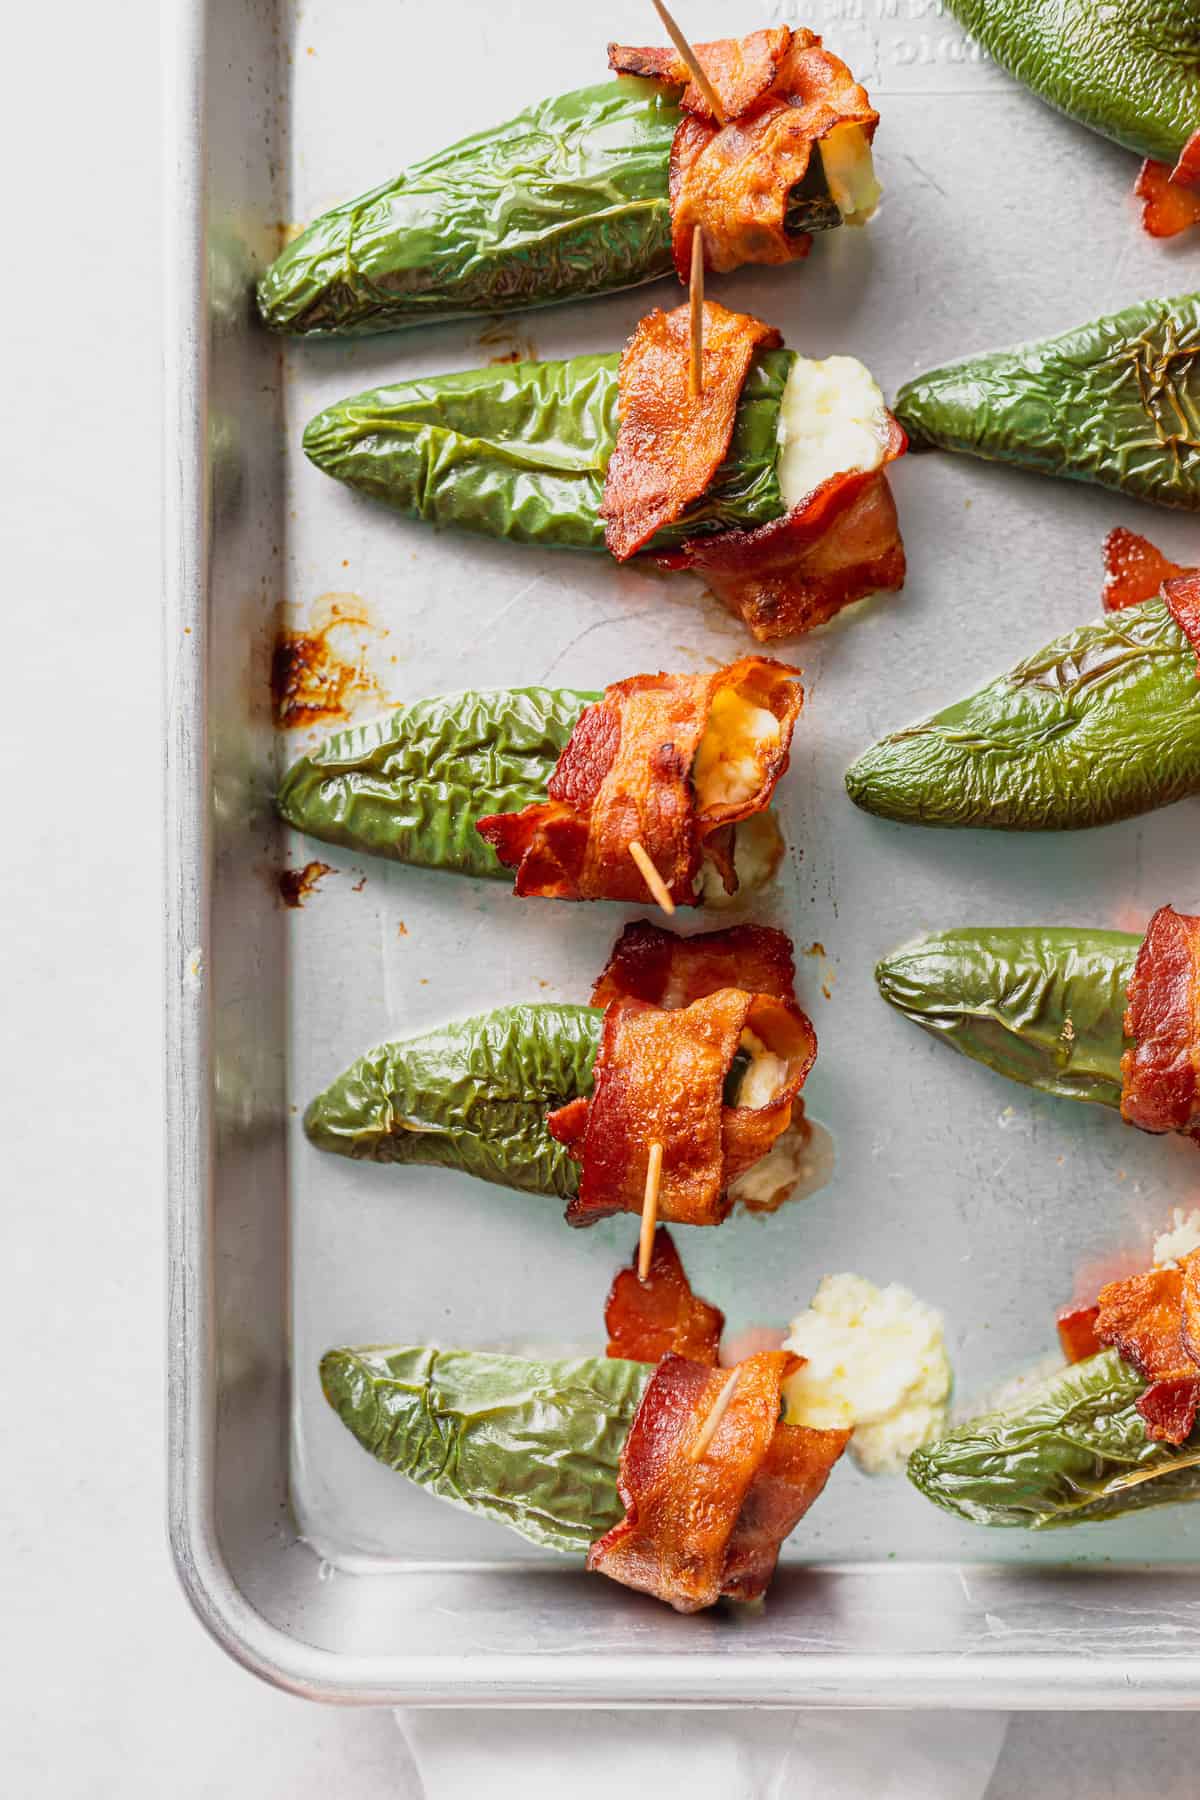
[[1042, 1005], [1069, 1451], [520, 450], [534, 1445], [1129, 69], [1116, 402], [411, 786], [1101, 725], [567, 199], [472, 1095]]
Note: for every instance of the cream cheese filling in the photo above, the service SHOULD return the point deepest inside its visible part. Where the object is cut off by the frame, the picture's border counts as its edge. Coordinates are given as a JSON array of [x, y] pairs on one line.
[[876, 1362], [727, 769], [850, 172], [832, 419]]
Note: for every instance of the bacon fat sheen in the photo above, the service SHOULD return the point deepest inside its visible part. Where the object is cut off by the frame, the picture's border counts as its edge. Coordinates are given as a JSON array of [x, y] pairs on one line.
[[781, 93], [1161, 1072], [1183, 603], [697, 1529], [626, 775]]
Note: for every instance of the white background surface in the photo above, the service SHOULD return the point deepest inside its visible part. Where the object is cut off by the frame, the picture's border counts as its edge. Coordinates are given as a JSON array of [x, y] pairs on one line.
[[107, 1685]]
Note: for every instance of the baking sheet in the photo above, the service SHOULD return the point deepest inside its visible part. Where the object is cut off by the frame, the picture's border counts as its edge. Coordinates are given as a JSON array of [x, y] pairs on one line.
[[1000, 221]]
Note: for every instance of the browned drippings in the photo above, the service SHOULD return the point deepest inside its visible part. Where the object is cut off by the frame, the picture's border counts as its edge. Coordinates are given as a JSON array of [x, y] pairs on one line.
[[319, 673], [295, 885], [510, 346]]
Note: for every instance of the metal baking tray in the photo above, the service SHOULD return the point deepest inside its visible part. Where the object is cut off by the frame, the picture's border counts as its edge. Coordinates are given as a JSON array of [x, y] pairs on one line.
[[310, 1563]]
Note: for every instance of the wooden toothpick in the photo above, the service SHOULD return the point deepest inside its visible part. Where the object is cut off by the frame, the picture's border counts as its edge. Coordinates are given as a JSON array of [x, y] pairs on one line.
[[649, 1211], [696, 299], [692, 60], [709, 1428], [651, 877]]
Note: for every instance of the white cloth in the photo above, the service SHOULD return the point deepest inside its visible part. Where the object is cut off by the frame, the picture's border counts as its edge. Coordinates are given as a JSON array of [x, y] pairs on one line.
[[727, 1755]]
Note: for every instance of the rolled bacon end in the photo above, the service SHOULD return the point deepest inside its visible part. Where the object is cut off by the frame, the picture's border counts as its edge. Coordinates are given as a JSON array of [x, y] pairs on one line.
[[1161, 1073], [647, 1320], [697, 1529]]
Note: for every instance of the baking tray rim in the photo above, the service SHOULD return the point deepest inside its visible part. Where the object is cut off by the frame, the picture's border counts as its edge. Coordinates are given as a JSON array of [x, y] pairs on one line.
[[988, 1679]]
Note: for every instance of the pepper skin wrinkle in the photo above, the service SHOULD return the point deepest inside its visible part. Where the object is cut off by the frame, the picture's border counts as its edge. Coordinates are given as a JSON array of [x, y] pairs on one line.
[[1129, 69], [1116, 402]]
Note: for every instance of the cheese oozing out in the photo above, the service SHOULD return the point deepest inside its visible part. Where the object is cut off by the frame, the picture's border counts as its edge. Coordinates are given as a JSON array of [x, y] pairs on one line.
[[850, 172], [832, 419], [765, 1075], [1184, 1237], [740, 737], [876, 1362], [757, 853], [773, 1178]]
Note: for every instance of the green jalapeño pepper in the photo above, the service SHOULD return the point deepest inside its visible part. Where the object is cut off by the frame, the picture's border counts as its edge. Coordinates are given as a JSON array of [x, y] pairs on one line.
[[1042, 1005], [533, 1445], [568, 199], [1129, 69], [412, 786], [1071, 1450], [1099, 726], [473, 1095], [1115, 402], [520, 451]]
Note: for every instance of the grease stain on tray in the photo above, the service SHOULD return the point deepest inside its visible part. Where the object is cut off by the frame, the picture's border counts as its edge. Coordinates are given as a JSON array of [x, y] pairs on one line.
[[295, 885], [509, 345], [321, 669]]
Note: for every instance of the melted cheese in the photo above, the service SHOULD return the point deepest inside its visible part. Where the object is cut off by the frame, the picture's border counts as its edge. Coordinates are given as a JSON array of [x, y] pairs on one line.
[[763, 1079], [832, 419], [727, 768], [876, 1362], [771, 1180], [1180, 1241], [757, 853], [850, 173]]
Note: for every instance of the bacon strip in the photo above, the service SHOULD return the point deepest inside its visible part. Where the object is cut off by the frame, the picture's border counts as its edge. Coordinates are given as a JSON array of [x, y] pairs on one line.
[[1161, 1090], [840, 544], [1171, 197], [1150, 1320], [651, 964], [670, 443], [647, 1320], [659, 1077], [781, 93], [1077, 1332], [740, 69], [626, 774], [1183, 603], [693, 1531], [1136, 570]]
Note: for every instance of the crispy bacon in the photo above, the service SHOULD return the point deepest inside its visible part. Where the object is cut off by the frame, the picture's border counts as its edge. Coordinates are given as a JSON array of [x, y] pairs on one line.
[[647, 1320], [781, 93], [651, 964], [1183, 603], [791, 1476], [1077, 1332], [1161, 1090], [1171, 197], [840, 544], [1149, 1319], [670, 442], [659, 1077], [693, 1531], [1136, 570], [740, 69], [626, 774]]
